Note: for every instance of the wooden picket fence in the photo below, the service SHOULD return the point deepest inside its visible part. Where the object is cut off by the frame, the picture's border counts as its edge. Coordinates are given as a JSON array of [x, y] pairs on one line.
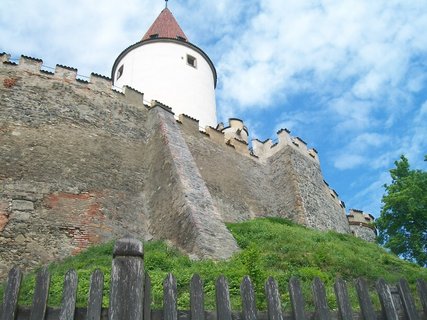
[[130, 297]]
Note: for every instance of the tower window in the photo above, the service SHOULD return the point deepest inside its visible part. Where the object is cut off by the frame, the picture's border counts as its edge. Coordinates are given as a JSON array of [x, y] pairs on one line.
[[181, 38], [154, 36], [192, 61], [120, 72]]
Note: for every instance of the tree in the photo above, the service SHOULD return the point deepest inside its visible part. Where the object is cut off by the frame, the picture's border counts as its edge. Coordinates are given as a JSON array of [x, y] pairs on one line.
[[402, 226]]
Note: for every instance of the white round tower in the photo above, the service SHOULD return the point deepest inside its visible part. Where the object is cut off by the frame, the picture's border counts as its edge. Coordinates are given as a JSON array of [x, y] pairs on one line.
[[166, 67]]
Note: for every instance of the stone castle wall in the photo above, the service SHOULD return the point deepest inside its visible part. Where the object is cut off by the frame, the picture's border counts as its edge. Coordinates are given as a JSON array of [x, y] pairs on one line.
[[288, 184], [82, 164], [71, 164]]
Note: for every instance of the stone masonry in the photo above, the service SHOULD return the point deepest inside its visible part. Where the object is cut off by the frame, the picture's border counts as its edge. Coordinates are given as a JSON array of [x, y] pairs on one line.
[[82, 164]]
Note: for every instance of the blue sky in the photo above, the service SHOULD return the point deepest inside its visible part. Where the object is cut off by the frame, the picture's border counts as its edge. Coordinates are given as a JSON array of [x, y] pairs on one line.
[[349, 77]]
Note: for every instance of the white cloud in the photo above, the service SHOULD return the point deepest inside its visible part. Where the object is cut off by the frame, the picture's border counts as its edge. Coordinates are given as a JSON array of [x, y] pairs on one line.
[[349, 161], [364, 48], [85, 35]]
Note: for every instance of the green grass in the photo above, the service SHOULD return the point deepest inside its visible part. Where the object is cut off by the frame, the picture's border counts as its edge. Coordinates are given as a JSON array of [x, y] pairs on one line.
[[270, 247]]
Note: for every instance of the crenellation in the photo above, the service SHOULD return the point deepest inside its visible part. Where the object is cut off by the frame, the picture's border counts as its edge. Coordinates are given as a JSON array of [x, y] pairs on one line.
[[284, 136], [228, 144], [65, 73], [82, 81], [99, 82], [47, 72], [133, 96], [335, 193], [265, 150], [236, 129], [9, 63], [295, 143], [313, 154], [4, 57], [155, 103], [262, 148], [240, 146], [30, 64], [216, 135], [189, 122], [301, 141]]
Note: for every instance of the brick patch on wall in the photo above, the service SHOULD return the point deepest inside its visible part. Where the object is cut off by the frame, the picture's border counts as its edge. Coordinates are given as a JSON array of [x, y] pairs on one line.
[[87, 217], [9, 82]]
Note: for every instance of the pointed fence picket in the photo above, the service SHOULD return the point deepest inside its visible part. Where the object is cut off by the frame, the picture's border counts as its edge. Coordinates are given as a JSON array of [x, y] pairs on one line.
[[130, 297]]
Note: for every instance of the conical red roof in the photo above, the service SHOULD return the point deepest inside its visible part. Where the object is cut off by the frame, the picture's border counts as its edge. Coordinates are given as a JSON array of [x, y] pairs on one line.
[[165, 26]]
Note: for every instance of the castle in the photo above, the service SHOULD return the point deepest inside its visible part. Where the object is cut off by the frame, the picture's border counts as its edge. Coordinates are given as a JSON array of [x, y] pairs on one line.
[[83, 162]]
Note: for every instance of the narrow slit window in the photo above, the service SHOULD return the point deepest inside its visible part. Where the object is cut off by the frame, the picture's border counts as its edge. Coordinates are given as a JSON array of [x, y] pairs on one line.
[[120, 72], [192, 61], [154, 36]]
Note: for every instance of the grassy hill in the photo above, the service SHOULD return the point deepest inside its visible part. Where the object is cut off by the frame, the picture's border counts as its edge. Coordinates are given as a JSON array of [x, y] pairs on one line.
[[270, 246]]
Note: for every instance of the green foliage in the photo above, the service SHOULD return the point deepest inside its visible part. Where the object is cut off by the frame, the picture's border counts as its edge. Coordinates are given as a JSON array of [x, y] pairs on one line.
[[402, 225], [270, 247]]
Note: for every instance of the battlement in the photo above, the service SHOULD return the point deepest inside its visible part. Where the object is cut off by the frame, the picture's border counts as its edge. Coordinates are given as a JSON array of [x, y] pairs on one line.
[[236, 130], [362, 225], [218, 135], [334, 195], [358, 217], [265, 149], [95, 82]]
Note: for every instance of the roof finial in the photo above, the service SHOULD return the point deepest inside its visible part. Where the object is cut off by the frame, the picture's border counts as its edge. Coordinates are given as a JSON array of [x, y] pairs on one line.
[[166, 3]]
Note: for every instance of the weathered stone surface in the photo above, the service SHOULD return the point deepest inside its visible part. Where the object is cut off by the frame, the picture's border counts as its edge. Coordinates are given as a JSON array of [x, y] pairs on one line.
[[22, 205], [182, 209], [305, 195], [363, 232], [239, 185], [20, 215], [71, 168], [288, 185]]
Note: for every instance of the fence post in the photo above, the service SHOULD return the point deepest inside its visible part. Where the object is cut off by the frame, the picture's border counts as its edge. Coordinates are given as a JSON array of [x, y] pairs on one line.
[[147, 297], [365, 302], [274, 306], [422, 291], [344, 305], [297, 299], [320, 302], [249, 311], [408, 300], [170, 298], [197, 299], [41, 292], [69, 296], [127, 281], [386, 299], [223, 308], [94, 305], [10, 299]]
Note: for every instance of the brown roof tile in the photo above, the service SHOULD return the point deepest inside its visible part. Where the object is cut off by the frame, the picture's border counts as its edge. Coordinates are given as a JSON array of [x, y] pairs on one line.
[[165, 26]]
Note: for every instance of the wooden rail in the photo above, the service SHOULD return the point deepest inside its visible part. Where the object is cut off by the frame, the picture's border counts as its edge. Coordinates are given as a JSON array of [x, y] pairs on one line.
[[130, 297]]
